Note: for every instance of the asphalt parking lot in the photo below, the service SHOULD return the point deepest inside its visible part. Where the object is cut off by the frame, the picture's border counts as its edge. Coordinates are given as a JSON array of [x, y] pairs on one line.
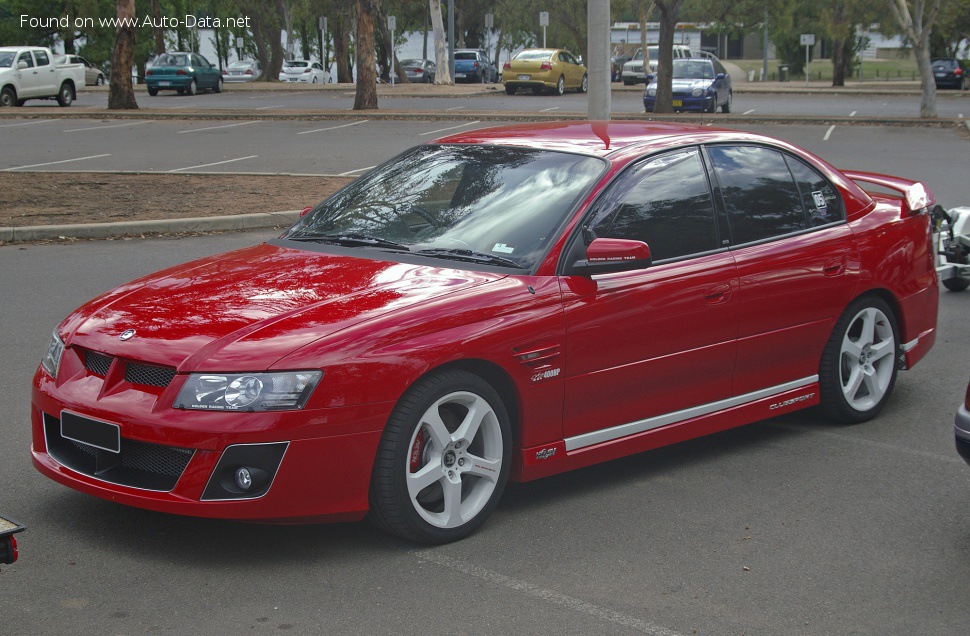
[[789, 526]]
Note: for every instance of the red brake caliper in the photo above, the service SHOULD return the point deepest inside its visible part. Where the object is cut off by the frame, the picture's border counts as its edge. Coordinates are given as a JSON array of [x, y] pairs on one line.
[[417, 450]]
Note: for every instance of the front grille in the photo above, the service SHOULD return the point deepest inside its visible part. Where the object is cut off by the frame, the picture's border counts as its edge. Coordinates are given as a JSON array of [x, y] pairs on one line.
[[139, 464], [97, 363], [149, 374]]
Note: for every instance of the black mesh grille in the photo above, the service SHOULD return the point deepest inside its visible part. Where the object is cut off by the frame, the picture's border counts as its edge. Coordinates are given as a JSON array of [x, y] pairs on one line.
[[149, 374], [97, 363], [139, 464]]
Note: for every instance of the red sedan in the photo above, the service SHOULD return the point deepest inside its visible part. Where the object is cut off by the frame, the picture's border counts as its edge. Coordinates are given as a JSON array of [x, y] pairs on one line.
[[508, 303]]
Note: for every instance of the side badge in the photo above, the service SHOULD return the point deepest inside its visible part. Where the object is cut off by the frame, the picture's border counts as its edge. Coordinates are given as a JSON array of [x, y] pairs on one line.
[[128, 334]]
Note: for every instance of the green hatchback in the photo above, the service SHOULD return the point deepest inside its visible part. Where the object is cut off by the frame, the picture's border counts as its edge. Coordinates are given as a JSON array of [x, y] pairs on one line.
[[182, 72]]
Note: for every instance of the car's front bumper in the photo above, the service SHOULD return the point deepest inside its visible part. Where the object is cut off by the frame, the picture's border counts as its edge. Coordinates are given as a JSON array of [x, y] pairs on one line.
[[961, 430], [321, 471]]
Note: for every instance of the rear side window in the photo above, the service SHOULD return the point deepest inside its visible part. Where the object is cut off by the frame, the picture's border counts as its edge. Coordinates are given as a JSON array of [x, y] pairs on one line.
[[822, 202], [759, 193], [664, 202], [42, 59]]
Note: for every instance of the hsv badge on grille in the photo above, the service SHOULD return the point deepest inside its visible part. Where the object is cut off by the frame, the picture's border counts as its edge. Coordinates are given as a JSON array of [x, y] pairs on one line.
[[127, 335]]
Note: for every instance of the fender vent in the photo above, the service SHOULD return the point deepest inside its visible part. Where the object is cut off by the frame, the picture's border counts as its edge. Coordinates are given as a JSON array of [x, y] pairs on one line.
[[537, 356]]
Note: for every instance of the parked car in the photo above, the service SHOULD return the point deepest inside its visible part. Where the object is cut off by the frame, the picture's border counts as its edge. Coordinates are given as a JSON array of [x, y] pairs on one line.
[[421, 71], [472, 65], [185, 73], [93, 76], [962, 428], [305, 71], [507, 303], [951, 73], [30, 72], [544, 69], [699, 84], [634, 71], [242, 71]]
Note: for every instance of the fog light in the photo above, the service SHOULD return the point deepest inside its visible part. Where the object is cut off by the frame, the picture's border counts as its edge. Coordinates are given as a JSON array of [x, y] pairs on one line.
[[244, 478]]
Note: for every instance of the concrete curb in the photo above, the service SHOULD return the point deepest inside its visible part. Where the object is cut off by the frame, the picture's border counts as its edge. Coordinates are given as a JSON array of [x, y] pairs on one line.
[[161, 226]]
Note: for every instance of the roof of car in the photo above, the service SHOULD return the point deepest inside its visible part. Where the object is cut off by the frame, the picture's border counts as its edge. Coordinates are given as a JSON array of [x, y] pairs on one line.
[[593, 138]]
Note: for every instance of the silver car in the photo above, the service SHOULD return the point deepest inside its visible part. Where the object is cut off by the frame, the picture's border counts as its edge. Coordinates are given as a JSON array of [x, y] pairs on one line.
[[633, 71]]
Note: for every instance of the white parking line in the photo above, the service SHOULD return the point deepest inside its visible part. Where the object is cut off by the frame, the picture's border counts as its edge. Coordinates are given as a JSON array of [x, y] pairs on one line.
[[552, 597], [852, 114], [828, 133], [242, 123], [454, 108], [268, 107], [133, 123], [216, 163], [29, 123], [350, 172], [51, 163], [432, 132], [748, 112], [307, 132], [546, 110]]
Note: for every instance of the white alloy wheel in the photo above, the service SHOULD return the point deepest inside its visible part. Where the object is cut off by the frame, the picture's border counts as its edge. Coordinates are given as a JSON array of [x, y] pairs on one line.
[[867, 360]]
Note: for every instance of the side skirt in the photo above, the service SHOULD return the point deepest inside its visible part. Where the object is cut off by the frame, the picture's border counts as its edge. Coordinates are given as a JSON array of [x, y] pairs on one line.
[[664, 430]]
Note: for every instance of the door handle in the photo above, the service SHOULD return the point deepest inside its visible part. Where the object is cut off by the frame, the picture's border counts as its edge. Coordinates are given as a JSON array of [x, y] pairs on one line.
[[835, 267], [717, 294]]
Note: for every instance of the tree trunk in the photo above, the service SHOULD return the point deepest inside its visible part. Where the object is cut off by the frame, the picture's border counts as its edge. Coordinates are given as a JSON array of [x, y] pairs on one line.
[[341, 49], [918, 31], [665, 72], [443, 72], [366, 94], [121, 93], [927, 104]]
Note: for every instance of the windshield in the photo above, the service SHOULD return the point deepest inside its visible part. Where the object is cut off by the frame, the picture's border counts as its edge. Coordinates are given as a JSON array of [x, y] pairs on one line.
[[693, 69], [6, 59], [491, 201], [653, 50]]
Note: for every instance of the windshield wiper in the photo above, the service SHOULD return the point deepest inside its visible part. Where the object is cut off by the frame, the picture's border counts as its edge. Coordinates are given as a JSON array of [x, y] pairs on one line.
[[351, 240], [470, 256]]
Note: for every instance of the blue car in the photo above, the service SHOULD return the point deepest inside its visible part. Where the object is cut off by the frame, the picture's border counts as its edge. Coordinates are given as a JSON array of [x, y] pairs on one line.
[[699, 85], [471, 65], [185, 73]]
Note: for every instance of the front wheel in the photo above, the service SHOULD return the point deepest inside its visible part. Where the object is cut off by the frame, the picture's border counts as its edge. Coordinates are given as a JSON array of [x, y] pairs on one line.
[[443, 460], [8, 97], [65, 95], [218, 86], [858, 368], [584, 87]]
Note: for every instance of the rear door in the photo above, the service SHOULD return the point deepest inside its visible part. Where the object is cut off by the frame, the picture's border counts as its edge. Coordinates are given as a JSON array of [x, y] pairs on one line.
[[797, 262], [647, 344], [46, 73]]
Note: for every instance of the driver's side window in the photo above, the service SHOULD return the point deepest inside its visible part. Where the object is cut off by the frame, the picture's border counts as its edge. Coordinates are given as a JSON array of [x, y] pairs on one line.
[[664, 202]]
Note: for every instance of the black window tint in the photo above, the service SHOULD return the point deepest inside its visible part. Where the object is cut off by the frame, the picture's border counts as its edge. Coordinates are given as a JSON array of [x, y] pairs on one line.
[[821, 200], [666, 203], [42, 59], [759, 194]]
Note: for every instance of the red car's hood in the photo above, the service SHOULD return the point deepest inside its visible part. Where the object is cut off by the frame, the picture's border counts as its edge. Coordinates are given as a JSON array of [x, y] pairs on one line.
[[244, 310]]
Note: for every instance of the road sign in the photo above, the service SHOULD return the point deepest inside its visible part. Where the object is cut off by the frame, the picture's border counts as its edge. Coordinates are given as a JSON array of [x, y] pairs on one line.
[[544, 18], [808, 39], [391, 23]]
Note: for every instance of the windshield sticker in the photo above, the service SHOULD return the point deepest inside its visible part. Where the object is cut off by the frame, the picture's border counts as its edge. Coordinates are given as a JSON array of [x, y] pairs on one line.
[[502, 248]]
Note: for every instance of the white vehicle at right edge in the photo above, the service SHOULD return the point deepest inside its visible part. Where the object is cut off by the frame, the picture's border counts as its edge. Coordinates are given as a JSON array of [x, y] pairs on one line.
[[29, 72]]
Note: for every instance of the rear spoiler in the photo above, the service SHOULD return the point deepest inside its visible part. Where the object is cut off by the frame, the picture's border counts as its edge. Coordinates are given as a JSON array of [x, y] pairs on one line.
[[916, 195]]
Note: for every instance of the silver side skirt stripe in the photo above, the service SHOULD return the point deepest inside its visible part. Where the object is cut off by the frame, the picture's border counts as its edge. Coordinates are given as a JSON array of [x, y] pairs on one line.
[[616, 432]]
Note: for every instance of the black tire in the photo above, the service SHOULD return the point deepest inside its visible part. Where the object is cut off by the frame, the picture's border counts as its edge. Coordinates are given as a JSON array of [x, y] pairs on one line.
[[584, 86], [20, 102], [510, 90], [409, 448], [99, 81], [957, 284], [8, 97], [218, 86], [180, 91], [726, 106], [65, 94], [873, 358], [560, 86], [627, 82], [713, 108], [192, 89], [154, 91]]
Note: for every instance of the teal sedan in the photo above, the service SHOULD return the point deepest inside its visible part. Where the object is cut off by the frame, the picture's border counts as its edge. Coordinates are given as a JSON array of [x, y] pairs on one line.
[[186, 73]]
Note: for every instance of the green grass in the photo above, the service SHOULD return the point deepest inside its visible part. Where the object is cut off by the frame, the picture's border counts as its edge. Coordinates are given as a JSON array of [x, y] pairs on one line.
[[821, 70]]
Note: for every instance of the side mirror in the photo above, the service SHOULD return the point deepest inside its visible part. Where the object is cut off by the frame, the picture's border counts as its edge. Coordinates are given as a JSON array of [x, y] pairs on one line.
[[720, 76], [21, 65], [606, 255]]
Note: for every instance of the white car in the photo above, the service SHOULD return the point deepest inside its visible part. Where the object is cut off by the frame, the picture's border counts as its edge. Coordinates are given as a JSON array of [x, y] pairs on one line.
[[633, 72], [242, 71], [304, 71]]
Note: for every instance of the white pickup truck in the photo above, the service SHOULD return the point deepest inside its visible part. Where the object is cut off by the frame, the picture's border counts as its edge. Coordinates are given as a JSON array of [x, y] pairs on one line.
[[29, 72]]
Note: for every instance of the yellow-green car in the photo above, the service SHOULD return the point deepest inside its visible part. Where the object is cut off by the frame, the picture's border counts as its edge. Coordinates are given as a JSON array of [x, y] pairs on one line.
[[541, 70]]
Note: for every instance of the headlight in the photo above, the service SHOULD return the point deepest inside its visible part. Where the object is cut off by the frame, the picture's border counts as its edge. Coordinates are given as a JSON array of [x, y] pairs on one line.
[[52, 357], [652, 91], [697, 92], [248, 391]]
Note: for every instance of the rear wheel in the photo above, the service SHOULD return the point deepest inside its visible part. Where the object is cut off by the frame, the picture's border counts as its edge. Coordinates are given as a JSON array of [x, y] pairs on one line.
[[193, 88], [726, 106], [560, 86], [65, 95], [443, 459], [154, 91], [584, 87], [99, 81], [956, 284], [858, 368], [510, 90]]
